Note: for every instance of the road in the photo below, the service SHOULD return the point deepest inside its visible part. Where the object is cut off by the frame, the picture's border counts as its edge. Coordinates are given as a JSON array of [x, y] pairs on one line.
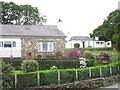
[[112, 87]]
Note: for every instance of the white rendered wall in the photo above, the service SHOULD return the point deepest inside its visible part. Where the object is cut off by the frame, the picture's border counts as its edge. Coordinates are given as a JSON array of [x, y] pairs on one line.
[[11, 51], [70, 44]]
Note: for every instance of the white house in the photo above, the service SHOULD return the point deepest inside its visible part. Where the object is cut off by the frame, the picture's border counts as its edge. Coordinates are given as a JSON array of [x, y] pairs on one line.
[[21, 40], [86, 42]]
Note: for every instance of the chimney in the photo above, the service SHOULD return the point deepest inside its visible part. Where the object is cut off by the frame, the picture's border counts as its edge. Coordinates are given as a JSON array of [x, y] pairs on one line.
[[97, 38], [60, 24]]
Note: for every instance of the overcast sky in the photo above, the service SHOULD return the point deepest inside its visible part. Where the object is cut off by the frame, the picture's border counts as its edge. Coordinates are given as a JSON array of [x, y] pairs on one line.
[[80, 17]]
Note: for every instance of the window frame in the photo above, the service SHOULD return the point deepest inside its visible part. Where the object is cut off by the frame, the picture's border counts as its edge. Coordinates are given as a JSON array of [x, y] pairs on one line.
[[1, 44], [40, 47], [8, 44]]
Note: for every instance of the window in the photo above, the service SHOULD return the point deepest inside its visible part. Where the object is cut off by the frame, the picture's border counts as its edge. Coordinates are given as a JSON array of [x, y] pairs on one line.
[[102, 42], [97, 42], [1, 44], [39, 46], [7, 44], [51, 46], [13, 44], [45, 46]]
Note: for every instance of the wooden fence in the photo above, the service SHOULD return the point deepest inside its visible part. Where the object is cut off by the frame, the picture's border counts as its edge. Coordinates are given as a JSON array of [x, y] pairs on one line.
[[59, 76]]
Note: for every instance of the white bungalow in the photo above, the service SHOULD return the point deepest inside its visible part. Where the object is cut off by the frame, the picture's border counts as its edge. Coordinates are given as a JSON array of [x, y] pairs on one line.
[[86, 42]]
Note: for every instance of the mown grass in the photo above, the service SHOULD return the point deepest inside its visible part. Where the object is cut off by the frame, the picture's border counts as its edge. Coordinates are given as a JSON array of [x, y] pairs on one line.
[[109, 51], [90, 48]]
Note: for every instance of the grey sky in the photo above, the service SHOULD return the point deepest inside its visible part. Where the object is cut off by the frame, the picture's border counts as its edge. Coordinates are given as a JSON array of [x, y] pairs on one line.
[[80, 17]]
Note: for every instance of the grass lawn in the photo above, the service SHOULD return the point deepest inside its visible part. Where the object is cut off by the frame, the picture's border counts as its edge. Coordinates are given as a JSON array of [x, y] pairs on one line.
[[109, 51]]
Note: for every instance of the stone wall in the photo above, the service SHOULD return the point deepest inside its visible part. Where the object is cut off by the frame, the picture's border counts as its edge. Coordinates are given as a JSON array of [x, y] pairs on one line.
[[29, 44], [86, 84]]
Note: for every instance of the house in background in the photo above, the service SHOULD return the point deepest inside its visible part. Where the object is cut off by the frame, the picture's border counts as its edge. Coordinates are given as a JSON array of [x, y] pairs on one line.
[[86, 42], [22, 40]]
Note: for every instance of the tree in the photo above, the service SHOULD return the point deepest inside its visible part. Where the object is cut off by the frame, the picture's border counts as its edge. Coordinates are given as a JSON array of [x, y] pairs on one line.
[[20, 14], [110, 29]]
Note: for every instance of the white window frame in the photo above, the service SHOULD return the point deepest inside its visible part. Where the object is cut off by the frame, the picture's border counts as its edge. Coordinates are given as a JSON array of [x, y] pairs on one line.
[[12, 44], [7, 43], [1, 44], [49, 47]]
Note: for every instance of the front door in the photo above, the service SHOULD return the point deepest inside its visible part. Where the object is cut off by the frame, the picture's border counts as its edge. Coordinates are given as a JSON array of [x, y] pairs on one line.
[[83, 44]]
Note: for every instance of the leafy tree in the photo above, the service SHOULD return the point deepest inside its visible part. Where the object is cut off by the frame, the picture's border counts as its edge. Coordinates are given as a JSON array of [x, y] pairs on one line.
[[110, 29], [20, 14]]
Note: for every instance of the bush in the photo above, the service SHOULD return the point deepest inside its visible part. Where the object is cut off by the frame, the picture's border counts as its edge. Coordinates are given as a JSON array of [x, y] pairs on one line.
[[48, 78], [76, 45], [104, 58], [29, 65], [16, 63], [26, 80], [75, 54], [7, 75], [66, 76], [46, 64], [88, 55], [83, 74], [60, 64], [90, 63]]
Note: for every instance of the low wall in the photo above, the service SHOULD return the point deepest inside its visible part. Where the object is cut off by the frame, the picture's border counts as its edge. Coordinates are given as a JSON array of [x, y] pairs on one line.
[[86, 84]]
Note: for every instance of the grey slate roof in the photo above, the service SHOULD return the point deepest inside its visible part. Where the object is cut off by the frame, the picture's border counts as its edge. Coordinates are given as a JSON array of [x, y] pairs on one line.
[[81, 38], [30, 30]]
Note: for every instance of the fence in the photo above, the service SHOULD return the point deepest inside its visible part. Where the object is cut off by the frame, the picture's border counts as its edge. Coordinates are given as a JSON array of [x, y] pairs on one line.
[[61, 76]]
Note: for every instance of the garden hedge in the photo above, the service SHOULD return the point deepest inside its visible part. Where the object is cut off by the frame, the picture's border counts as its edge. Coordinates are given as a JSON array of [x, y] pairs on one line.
[[67, 75], [46, 64]]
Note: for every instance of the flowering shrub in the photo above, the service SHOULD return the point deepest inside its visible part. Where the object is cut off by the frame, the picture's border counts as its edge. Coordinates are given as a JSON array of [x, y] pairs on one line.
[[75, 54], [83, 63], [104, 57], [53, 67]]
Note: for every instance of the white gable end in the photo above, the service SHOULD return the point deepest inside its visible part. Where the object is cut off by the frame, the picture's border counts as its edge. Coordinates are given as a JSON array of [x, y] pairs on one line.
[[10, 47]]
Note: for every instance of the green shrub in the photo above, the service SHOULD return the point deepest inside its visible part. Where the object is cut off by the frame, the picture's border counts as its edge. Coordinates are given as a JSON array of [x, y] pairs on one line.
[[29, 65], [7, 75], [76, 45], [16, 63], [66, 76], [105, 71], [90, 63], [60, 64], [88, 55], [47, 78], [83, 74], [115, 70], [95, 72], [26, 80]]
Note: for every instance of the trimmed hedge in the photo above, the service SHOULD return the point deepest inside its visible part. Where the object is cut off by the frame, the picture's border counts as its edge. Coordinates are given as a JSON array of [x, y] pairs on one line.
[[46, 64], [26, 80], [47, 78], [67, 76]]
